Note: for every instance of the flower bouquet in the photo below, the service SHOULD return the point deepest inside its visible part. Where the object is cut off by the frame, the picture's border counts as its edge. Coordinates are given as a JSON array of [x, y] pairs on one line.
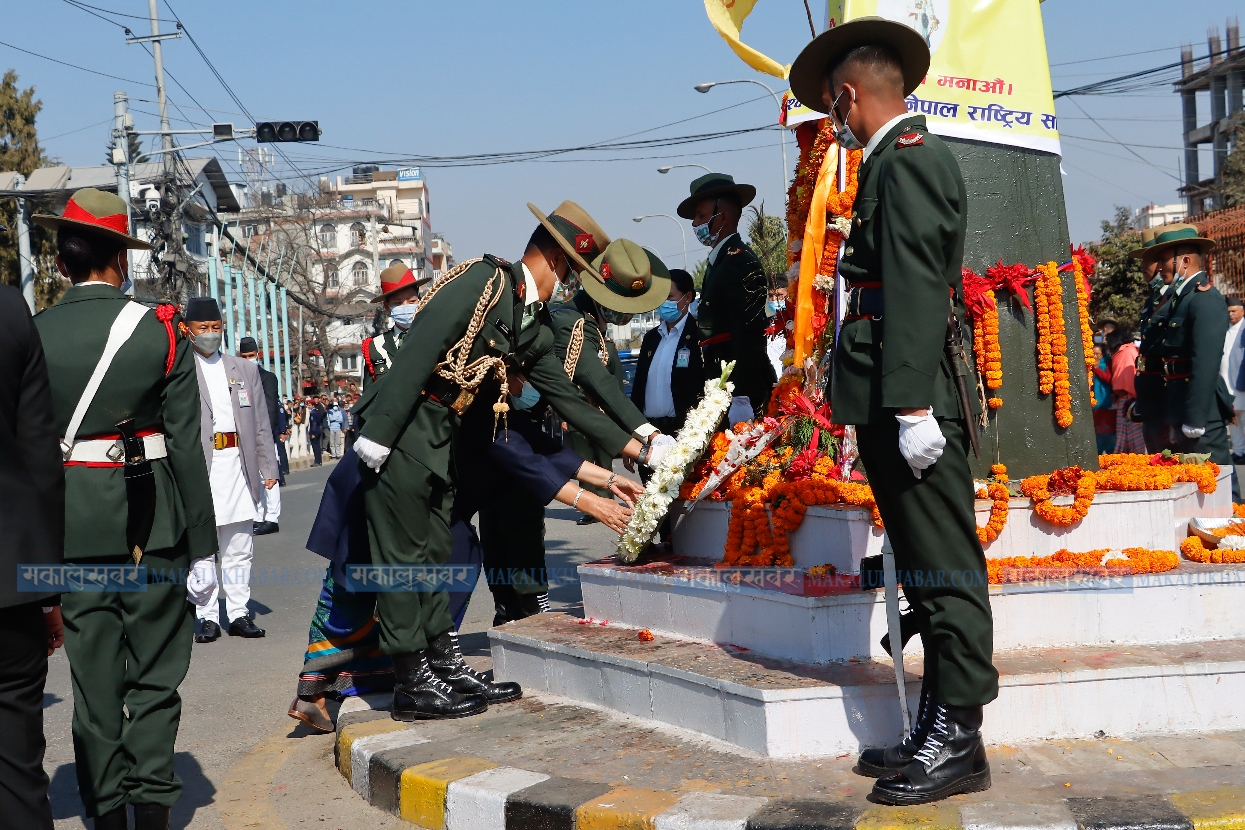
[[690, 444]]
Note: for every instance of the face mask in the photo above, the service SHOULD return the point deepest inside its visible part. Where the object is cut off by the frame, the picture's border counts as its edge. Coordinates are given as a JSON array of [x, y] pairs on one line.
[[844, 135], [618, 318], [208, 342], [702, 232], [669, 311], [254, 360], [528, 398], [402, 315], [694, 307], [776, 306]]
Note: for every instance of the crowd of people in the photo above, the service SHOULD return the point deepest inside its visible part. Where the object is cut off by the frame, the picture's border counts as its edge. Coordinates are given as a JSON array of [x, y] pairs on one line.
[[140, 441]]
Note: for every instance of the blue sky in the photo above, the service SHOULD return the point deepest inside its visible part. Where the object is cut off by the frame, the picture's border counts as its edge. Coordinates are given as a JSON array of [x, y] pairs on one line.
[[447, 78]]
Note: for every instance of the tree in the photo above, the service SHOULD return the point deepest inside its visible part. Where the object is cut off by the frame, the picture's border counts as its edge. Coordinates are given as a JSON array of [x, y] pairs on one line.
[[1232, 188], [1119, 287], [134, 148], [768, 236], [698, 273], [20, 151]]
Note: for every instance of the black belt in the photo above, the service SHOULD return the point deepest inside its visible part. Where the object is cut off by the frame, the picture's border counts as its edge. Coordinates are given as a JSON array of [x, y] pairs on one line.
[[448, 393], [1175, 368], [864, 301]]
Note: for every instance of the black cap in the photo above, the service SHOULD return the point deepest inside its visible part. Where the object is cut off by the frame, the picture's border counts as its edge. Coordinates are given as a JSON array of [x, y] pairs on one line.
[[247, 345], [202, 309]]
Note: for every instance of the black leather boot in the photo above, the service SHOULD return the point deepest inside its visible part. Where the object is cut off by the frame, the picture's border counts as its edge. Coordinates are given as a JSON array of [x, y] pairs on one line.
[[151, 817], [951, 761], [418, 694], [115, 819], [446, 660], [876, 763]]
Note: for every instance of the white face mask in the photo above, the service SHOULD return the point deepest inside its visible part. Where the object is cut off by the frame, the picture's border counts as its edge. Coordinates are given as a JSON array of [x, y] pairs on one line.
[[402, 315], [844, 135]]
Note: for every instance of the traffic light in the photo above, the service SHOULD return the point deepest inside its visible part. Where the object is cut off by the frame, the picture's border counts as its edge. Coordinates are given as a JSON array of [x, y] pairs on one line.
[[287, 131]]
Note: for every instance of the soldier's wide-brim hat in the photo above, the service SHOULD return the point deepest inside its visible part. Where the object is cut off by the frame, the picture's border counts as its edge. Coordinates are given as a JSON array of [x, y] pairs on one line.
[[628, 278], [103, 214], [1147, 243], [712, 186], [394, 279], [1181, 235], [808, 73], [576, 232]]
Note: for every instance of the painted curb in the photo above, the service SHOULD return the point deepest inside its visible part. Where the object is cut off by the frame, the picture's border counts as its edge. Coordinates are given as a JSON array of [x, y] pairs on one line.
[[430, 785]]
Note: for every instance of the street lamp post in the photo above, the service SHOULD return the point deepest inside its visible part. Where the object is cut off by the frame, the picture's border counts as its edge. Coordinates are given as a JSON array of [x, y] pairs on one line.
[[675, 221], [670, 167], [782, 136]]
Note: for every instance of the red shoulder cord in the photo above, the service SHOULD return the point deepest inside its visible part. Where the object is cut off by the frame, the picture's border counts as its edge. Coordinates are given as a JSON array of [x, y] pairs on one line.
[[366, 348], [164, 313]]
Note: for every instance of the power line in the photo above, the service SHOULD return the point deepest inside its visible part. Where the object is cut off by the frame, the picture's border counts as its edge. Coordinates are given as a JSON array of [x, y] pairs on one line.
[[71, 132], [86, 7], [1077, 104], [1112, 57], [75, 66], [1132, 81]]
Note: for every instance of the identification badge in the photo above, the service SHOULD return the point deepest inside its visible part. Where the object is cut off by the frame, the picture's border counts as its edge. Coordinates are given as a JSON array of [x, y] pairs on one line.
[[683, 358], [244, 397]]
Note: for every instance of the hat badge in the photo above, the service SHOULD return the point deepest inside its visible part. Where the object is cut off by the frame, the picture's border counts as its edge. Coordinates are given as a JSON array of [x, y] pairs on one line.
[[637, 284], [606, 271]]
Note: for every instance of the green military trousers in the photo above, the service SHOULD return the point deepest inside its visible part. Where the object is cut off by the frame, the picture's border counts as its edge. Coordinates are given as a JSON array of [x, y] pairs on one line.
[[408, 523], [933, 531], [128, 652], [591, 452], [512, 533]]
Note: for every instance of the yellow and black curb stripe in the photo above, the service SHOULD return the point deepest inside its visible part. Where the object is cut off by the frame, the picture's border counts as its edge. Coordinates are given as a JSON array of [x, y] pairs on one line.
[[431, 786]]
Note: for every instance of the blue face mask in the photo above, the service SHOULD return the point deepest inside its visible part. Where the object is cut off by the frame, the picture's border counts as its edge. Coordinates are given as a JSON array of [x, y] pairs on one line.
[[703, 234], [776, 306], [669, 311], [402, 315], [694, 307], [528, 398]]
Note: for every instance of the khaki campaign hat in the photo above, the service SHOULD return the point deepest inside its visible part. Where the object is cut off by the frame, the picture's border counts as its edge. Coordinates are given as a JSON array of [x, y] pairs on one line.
[[1147, 242], [103, 214], [394, 278], [1180, 234], [577, 234], [808, 73], [629, 278]]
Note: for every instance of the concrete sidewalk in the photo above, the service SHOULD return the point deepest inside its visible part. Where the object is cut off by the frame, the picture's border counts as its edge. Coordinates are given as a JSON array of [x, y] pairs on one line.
[[545, 763]]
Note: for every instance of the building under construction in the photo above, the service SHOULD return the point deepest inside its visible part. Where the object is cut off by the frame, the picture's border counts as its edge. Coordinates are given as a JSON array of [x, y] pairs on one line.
[[1220, 75]]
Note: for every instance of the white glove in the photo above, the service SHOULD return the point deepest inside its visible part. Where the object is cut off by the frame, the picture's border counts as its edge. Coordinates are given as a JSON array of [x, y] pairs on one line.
[[200, 580], [920, 440], [1193, 432], [741, 410], [659, 448], [373, 454]]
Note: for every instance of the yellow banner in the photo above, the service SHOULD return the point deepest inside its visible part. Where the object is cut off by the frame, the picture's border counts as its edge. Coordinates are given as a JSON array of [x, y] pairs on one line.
[[727, 16], [989, 79]]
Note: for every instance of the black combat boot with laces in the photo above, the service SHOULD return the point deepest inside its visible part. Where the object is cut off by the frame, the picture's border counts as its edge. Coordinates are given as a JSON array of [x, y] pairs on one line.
[[446, 660], [876, 763], [418, 694], [951, 761]]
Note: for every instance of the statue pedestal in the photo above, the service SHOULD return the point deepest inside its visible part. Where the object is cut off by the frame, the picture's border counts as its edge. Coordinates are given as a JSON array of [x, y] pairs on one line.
[[786, 666]]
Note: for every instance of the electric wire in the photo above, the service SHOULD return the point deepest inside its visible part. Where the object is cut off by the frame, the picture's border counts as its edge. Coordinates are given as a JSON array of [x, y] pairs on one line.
[[75, 66]]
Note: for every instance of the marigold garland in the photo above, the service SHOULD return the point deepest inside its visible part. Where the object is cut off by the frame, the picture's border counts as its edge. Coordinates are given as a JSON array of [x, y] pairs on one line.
[[1043, 488], [1196, 551], [998, 511], [1042, 318], [1087, 332], [1238, 510], [1065, 563], [1055, 352]]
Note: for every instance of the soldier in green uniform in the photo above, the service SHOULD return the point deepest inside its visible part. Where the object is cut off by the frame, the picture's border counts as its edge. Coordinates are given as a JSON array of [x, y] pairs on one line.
[[399, 292], [893, 380], [145, 500], [1199, 405], [482, 319], [733, 296], [589, 356], [1158, 265], [625, 279]]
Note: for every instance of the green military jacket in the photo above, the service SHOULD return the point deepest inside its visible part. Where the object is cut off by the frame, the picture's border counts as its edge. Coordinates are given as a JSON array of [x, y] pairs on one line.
[[400, 413], [596, 370], [1192, 349], [136, 386], [908, 229], [1152, 326], [376, 361], [732, 307]]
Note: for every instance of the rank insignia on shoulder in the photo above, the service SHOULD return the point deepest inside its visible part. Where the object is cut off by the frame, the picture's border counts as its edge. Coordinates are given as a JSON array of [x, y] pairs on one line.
[[910, 140], [734, 251]]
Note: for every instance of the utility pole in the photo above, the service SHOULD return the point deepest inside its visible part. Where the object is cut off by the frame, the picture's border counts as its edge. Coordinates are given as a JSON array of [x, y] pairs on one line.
[[121, 156], [25, 264], [158, 53]]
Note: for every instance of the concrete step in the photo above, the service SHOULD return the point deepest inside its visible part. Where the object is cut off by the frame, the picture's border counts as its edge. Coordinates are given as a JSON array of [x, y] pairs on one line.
[[786, 709], [781, 613]]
